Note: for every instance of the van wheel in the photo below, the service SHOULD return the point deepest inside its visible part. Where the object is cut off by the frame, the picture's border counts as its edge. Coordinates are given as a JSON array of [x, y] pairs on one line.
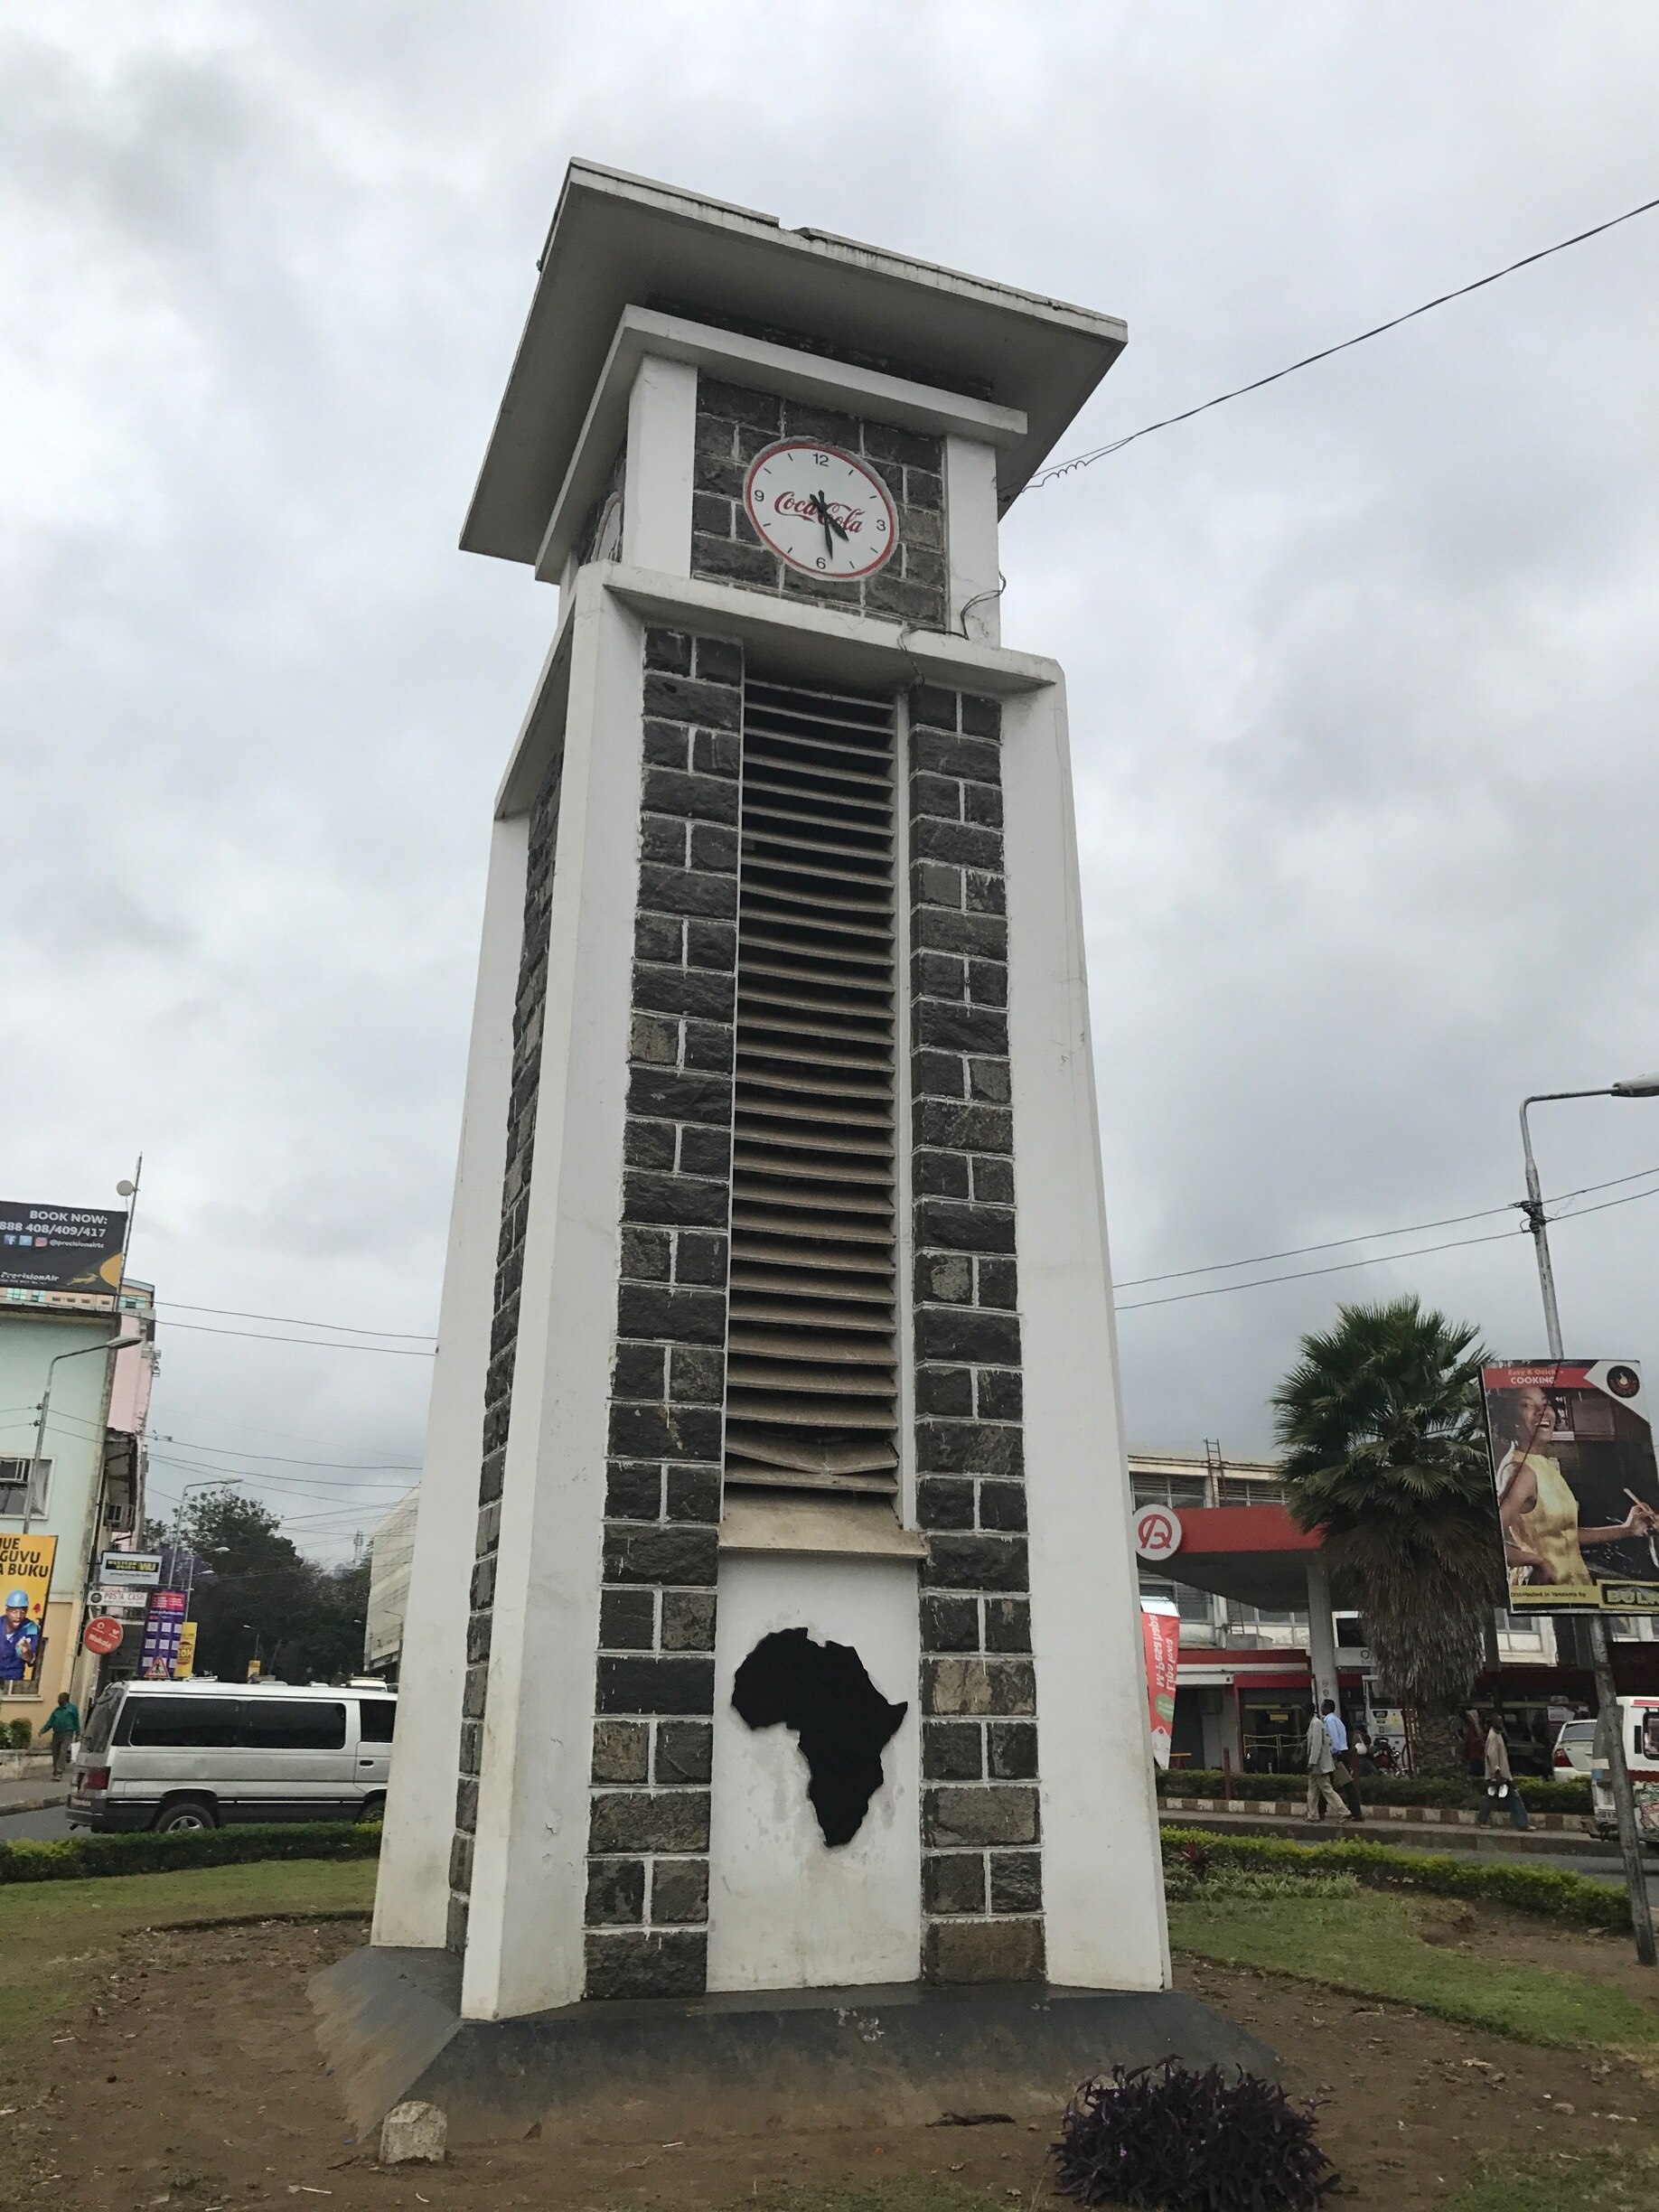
[[185, 1814], [372, 1808]]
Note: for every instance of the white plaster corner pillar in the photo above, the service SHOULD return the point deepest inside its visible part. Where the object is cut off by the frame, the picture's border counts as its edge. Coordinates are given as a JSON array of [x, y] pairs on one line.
[[970, 527], [1103, 1876], [524, 1941], [661, 452], [1321, 1630], [411, 1897]]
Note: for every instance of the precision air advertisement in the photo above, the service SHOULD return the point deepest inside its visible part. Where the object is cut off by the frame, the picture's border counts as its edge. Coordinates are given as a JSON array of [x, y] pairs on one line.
[[60, 1255], [1578, 1486]]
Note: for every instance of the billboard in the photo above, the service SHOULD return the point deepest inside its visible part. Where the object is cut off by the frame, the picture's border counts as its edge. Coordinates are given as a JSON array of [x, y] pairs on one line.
[[163, 1629], [25, 1576], [1578, 1487], [60, 1255]]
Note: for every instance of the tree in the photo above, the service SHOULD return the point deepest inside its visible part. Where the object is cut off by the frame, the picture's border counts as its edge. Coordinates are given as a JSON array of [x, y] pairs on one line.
[[255, 1596], [1380, 1422]]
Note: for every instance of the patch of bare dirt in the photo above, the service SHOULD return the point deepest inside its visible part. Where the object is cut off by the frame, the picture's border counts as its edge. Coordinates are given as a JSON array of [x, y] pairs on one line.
[[195, 2082]]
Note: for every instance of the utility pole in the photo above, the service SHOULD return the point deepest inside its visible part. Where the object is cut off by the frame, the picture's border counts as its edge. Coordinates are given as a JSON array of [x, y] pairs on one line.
[[1601, 1655]]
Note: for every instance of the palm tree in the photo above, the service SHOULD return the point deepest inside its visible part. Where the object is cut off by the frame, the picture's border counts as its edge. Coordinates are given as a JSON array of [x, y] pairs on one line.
[[1381, 1424]]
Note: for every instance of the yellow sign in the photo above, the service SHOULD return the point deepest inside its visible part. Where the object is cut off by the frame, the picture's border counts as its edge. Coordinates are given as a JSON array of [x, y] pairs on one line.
[[185, 1663], [253, 1669], [25, 1578]]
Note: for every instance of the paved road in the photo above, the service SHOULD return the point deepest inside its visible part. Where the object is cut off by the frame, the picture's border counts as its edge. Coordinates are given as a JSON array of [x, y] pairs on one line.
[[15, 1826]]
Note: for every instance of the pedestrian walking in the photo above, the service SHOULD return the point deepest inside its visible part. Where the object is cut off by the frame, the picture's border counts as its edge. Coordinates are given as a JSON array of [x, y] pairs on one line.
[[62, 1724], [1321, 1760], [1501, 1790], [1343, 1773]]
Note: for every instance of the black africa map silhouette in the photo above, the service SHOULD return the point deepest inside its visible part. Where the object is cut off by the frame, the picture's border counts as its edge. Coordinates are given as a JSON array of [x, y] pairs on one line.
[[841, 1720]]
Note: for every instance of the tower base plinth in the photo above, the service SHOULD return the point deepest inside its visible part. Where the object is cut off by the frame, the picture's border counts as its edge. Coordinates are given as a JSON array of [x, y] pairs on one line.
[[714, 2067]]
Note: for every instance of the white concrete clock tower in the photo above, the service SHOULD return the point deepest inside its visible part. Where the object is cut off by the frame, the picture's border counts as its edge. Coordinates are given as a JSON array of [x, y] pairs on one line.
[[775, 1415]]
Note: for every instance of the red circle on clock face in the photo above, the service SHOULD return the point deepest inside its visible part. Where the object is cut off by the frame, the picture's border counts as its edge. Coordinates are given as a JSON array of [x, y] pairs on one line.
[[822, 511]]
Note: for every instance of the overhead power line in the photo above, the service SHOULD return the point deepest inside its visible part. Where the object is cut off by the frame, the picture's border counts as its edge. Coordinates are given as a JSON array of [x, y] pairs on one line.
[[1342, 1267], [1374, 1236], [314, 1343], [339, 1328], [1086, 460]]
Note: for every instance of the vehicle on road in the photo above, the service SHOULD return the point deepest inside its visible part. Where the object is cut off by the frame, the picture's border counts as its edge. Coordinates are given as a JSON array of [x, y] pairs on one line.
[[197, 1754], [1638, 1718], [1571, 1755]]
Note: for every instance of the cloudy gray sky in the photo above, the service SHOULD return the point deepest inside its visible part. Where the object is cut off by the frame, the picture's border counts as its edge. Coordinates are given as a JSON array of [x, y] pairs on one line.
[[1363, 668]]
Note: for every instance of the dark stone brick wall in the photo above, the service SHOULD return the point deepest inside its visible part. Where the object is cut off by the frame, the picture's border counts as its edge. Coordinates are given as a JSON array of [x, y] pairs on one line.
[[648, 1841], [529, 1008], [981, 1864], [733, 426]]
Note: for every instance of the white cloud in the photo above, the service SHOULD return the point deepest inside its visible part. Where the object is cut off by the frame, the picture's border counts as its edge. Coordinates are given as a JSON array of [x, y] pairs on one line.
[[1360, 668]]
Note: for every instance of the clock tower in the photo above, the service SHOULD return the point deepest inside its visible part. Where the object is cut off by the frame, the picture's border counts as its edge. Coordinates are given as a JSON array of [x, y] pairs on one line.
[[772, 1622]]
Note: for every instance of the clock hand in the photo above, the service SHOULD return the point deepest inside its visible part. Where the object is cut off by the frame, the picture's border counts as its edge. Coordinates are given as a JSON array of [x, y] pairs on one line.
[[821, 508]]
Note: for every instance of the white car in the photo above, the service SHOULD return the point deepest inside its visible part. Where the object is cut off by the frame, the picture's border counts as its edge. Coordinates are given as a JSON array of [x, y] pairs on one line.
[[1571, 1755]]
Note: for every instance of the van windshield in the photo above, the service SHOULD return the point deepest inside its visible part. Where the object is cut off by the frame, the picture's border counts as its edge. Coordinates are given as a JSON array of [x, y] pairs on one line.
[[101, 1721]]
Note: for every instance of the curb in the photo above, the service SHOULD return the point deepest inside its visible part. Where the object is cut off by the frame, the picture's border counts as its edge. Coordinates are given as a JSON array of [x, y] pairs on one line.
[[1466, 1842], [1412, 1816], [33, 1804]]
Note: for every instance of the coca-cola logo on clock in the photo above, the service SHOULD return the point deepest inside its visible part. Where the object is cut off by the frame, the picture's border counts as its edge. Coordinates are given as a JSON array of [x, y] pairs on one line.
[[822, 511]]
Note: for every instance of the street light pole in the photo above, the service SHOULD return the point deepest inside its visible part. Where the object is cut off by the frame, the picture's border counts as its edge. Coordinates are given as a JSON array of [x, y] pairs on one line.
[[105, 1343], [1601, 1656]]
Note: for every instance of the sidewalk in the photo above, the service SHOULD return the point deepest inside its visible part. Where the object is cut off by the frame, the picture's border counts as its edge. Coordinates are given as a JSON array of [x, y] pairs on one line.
[[1575, 1840], [31, 1796]]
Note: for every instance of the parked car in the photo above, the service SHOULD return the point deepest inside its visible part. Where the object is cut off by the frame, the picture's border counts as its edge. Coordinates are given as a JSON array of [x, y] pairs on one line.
[[1571, 1755], [195, 1755]]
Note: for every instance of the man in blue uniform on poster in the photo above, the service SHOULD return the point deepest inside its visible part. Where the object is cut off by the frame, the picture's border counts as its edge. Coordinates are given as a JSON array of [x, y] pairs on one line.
[[20, 1639]]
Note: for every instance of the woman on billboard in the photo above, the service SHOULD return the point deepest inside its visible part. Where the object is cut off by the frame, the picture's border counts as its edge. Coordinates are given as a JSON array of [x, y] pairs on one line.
[[1538, 1510]]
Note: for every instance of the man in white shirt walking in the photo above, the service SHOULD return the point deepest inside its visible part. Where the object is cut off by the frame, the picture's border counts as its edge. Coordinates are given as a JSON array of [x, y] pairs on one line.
[[1321, 1759], [1342, 1765]]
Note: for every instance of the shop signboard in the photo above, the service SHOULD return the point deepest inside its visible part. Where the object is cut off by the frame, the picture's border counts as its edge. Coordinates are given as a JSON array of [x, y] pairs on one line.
[[1577, 1485], [25, 1584], [1161, 1641], [163, 1627], [184, 1666], [130, 1570]]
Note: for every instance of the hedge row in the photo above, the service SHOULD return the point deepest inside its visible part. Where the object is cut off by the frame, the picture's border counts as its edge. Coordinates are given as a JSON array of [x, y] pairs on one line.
[[77, 1857], [1495, 1881], [1543, 1796]]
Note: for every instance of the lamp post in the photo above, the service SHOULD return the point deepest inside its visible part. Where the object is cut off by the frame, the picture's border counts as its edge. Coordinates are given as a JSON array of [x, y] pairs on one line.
[[1601, 1659], [105, 1343]]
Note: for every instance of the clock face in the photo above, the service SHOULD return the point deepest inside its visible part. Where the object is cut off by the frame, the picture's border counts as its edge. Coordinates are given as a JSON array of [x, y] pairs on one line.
[[823, 512]]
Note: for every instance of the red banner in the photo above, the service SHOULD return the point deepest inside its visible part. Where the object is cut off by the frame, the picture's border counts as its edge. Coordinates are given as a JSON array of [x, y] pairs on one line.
[[1160, 1642]]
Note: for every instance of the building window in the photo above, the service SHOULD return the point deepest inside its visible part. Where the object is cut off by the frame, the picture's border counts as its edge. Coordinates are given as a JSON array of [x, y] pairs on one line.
[[14, 1478], [1246, 1490], [1176, 1490]]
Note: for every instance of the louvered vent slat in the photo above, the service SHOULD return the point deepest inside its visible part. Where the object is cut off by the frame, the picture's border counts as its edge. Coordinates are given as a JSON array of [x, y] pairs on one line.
[[811, 1384]]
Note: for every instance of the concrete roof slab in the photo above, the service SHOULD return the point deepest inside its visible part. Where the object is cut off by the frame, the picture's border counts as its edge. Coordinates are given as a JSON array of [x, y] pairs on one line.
[[618, 241]]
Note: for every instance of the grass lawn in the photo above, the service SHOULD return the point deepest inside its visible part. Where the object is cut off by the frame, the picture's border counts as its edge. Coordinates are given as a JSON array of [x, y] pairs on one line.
[[1605, 2183], [1372, 1945], [56, 1938]]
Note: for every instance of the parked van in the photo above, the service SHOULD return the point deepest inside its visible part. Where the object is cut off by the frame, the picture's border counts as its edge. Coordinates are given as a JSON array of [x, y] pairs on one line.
[[1639, 1719], [197, 1754]]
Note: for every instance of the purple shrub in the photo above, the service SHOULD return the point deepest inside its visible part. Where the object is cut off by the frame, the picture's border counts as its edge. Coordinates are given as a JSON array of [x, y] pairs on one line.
[[1169, 2139]]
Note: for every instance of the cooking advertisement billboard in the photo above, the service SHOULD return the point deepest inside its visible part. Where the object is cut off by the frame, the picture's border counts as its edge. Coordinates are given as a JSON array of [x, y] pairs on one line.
[[1578, 1487]]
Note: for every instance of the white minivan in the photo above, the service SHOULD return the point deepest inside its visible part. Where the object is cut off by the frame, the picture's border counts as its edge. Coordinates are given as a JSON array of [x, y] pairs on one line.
[[197, 1754]]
